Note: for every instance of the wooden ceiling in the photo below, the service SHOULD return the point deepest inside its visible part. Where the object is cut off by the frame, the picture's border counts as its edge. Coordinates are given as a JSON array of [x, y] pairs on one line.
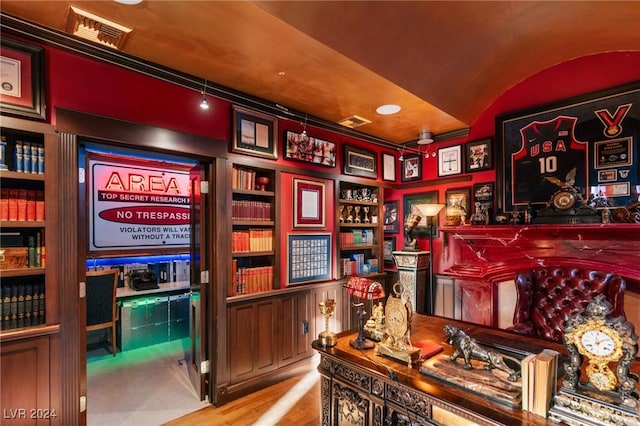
[[443, 62]]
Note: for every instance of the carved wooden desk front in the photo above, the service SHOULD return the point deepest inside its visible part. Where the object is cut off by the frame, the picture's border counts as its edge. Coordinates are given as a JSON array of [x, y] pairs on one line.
[[360, 388]]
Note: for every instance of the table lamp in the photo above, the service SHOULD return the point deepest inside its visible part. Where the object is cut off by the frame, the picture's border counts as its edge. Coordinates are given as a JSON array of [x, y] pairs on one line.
[[366, 289]]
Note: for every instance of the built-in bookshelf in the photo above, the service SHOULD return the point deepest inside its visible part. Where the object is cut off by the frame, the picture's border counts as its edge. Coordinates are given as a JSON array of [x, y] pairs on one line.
[[359, 242], [22, 230], [253, 233]]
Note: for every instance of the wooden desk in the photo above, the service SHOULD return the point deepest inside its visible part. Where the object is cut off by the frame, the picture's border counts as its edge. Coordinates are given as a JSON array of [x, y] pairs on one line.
[[374, 389]]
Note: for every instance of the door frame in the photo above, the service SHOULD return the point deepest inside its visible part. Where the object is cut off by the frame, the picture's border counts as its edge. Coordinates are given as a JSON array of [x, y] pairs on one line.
[[70, 126]]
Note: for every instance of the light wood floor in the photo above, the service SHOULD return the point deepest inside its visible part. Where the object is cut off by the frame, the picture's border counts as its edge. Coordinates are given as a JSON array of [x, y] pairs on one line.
[[295, 401]]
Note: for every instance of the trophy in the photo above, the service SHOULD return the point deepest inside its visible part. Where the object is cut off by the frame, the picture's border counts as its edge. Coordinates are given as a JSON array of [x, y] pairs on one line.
[[357, 218], [327, 337]]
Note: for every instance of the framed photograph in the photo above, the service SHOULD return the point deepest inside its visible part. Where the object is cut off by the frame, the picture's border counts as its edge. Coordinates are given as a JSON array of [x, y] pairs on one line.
[[391, 222], [254, 133], [410, 203], [308, 204], [388, 247], [568, 142], [411, 167], [360, 162], [450, 161], [483, 192], [309, 258], [22, 87], [388, 167], [478, 156], [457, 205], [308, 149]]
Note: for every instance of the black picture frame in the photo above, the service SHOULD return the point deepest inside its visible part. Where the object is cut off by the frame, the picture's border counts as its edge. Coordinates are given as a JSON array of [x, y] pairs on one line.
[[450, 160], [484, 193], [308, 257], [23, 94], [411, 200], [254, 133], [478, 155], [391, 217], [555, 141], [308, 149], [411, 167], [360, 162]]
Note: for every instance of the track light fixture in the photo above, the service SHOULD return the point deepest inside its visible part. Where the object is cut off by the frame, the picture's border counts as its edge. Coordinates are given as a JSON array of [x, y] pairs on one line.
[[303, 134], [204, 104]]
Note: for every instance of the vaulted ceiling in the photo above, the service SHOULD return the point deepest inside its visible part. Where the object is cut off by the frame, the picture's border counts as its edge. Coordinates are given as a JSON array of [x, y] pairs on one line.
[[443, 62]]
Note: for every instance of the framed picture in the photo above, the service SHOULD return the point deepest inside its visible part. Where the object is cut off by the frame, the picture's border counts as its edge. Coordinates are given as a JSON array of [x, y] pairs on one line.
[[388, 247], [254, 133], [360, 162], [388, 167], [411, 167], [410, 206], [308, 204], [449, 161], [457, 206], [483, 193], [22, 87], [569, 142], [308, 149], [391, 222], [309, 258], [478, 156]]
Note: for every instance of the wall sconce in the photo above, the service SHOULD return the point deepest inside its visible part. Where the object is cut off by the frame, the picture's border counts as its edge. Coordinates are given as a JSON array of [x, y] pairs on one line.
[[204, 104]]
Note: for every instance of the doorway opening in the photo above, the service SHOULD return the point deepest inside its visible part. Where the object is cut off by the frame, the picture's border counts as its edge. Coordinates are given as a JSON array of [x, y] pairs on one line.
[[137, 221]]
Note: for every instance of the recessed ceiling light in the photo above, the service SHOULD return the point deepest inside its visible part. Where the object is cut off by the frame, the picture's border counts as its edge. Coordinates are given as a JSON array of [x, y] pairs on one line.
[[388, 109], [129, 2]]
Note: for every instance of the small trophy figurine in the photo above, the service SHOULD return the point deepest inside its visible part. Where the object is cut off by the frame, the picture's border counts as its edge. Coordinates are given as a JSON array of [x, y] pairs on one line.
[[327, 337]]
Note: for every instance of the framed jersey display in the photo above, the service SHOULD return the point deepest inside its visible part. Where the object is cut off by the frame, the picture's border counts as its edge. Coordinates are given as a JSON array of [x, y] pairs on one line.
[[588, 143]]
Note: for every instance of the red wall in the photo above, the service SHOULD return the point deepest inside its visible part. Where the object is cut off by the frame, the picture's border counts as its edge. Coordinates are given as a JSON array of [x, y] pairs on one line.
[[87, 85]]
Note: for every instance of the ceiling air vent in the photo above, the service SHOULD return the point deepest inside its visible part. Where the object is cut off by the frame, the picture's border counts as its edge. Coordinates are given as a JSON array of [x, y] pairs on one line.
[[91, 27], [354, 121]]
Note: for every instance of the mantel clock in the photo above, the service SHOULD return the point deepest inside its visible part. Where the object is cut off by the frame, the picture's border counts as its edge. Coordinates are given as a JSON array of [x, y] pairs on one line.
[[609, 347]]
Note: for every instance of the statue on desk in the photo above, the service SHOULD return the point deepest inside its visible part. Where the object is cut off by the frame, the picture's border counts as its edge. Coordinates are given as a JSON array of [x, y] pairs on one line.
[[409, 225]]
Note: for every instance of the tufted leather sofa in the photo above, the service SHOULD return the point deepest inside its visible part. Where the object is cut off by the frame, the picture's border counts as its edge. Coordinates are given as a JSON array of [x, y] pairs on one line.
[[548, 296]]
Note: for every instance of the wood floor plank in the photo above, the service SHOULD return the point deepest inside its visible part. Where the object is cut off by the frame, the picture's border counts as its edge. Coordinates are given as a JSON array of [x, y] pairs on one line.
[[292, 401]]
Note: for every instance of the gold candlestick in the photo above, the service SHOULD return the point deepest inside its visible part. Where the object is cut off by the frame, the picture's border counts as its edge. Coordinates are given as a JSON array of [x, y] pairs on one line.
[[327, 337]]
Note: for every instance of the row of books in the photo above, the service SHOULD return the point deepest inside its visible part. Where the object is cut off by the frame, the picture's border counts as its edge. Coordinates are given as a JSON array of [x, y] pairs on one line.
[[358, 265], [21, 204], [166, 272], [22, 249], [28, 157], [357, 237], [22, 305], [243, 178], [539, 380], [251, 280], [252, 240], [250, 210]]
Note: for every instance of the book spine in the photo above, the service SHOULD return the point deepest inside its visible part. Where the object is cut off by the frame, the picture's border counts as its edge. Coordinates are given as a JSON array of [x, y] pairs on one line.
[[17, 157], [26, 157], [28, 305], [4, 204], [22, 204], [41, 159]]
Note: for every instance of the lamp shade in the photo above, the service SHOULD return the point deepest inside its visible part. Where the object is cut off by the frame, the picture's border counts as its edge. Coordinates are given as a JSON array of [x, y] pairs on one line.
[[364, 288], [429, 210]]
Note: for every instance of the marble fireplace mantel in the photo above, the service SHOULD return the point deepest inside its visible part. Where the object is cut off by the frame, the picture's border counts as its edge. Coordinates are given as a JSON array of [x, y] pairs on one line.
[[496, 252]]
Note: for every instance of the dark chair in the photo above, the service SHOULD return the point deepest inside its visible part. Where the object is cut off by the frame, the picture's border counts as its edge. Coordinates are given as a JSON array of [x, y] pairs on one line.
[[101, 302], [548, 296]]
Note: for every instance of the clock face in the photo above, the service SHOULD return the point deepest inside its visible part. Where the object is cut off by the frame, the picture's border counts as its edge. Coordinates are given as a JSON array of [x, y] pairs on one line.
[[395, 317], [598, 343], [564, 199]]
